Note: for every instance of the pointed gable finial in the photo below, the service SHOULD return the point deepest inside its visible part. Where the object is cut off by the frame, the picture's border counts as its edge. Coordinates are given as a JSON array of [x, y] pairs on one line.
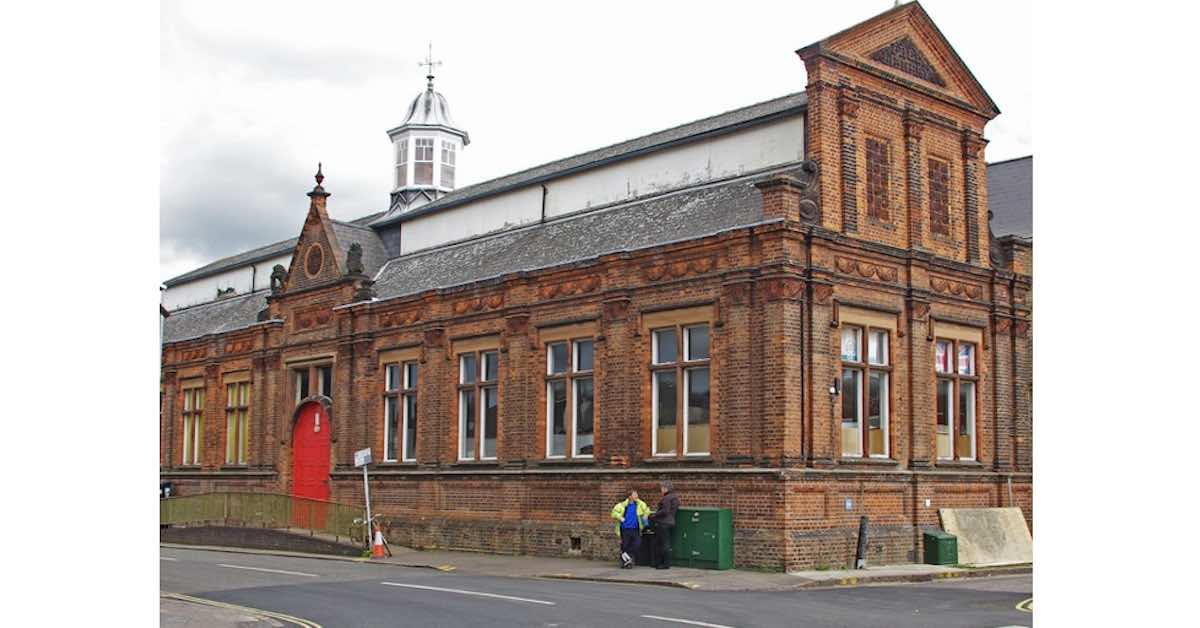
[[318, 191]]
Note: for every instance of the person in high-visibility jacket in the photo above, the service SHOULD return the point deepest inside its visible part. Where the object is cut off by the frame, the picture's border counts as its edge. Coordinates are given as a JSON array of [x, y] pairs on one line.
[[630, 515]]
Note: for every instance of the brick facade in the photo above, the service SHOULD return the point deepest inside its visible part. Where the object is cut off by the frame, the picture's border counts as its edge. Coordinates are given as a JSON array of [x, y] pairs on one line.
[[773, 295]]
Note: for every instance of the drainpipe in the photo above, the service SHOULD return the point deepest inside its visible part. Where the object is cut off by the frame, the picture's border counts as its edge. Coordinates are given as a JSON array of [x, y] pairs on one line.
[[544, 193]]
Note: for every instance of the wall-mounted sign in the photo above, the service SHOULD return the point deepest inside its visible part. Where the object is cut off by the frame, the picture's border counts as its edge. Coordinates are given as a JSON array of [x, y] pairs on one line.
[[362, 457]]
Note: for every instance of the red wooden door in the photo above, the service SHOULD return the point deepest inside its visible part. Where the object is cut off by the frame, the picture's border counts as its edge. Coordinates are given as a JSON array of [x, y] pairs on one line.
[[310, 465]]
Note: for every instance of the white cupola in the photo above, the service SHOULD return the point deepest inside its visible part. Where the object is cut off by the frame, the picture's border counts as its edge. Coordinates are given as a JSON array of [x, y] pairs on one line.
[[425, 149]]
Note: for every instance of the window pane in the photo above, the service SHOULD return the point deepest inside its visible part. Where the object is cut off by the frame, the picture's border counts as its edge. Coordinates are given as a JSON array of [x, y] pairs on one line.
[[391, 444], [584, 355], [965, 440], [245, 394], [556, 395], [187, 400], [466, 438], [877, 414], [301, 384], [945, 405], [490, 408], [467, 369], [584, 428], [664, 411], [410, 375], [491, 366], [187, 438], [326, 381], [665, 350], [697, 342], [851, 344], [966, 358], [231, 438], [557, 357], [410, 426], [242, 440], [393, 376], [942, 357], [697, 410], [230, 395], [877, 351], [423, 172], [851, 411]]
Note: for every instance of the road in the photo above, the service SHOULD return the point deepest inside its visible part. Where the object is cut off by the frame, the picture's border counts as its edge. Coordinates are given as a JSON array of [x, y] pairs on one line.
[[337, 593]]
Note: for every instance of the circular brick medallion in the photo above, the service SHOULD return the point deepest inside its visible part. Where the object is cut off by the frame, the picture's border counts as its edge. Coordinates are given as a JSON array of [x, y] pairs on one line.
[[314, 259]]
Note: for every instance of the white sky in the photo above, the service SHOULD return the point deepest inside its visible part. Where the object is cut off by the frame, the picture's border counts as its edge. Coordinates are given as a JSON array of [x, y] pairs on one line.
[[254, 94]]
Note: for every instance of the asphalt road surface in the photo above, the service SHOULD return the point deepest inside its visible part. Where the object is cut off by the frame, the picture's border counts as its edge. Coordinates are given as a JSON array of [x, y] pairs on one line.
[[338, 594]]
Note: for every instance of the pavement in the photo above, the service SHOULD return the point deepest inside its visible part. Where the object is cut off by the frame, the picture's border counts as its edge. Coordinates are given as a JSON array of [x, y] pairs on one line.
[[481, 564], [256, 589]]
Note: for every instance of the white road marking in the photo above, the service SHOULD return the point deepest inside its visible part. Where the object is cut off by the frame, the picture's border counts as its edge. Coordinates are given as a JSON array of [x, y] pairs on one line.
[[476, 593], [166, 558], [290, 573], [686, 621]]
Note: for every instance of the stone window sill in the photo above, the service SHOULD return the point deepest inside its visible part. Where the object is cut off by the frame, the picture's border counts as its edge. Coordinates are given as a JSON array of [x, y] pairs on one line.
[[958, 464], [868, 462], [705, 459], [476, 464], [566, 462]]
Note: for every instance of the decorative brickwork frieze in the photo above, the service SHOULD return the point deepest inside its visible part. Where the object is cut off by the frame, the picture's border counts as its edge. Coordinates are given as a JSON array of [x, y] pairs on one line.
[[904, 55]]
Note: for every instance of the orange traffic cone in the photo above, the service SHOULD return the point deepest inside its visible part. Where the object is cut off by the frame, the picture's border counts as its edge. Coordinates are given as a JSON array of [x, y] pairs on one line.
[[377, 543]]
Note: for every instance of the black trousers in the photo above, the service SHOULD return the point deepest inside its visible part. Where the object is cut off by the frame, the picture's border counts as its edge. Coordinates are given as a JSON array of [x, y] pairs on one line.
[[662, 544], [631, 540]]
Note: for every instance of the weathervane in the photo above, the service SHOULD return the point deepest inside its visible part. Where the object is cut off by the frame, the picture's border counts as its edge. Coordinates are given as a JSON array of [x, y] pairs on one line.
[[430, 64]]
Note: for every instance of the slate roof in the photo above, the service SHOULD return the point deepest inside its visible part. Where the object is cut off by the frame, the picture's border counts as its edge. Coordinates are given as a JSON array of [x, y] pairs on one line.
[[374, 254], [255, 255], [723, 122], [1010, 197], [214, 317], [683, 215]]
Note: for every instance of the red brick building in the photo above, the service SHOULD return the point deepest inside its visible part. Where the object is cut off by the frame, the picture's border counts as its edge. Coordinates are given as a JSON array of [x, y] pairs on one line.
[[826, 329]]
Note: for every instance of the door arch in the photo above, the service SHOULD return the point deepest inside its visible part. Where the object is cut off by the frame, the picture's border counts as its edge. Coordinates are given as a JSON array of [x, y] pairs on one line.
[[310, 463]]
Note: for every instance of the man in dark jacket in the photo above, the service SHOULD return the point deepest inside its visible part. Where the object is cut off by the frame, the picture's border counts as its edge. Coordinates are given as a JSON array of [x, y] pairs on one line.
[[664, 523]]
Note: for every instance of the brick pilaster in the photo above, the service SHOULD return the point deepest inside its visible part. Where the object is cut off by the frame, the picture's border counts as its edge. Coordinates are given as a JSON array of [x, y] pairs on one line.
[[913, 129], [848, 104], [972, 146], [437, 410], [740, 437], [617, 386], [516, 439], [922, 411], [823, 425], [1002, 390]]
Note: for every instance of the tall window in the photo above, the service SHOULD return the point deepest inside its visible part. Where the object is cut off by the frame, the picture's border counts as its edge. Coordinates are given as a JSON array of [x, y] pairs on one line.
[[478, 403], [939, 196], [869, 435], [401, 163], [305, 378], [448, 157], [300, 377], [400, 410], [879, 163], [423, 161], [570, 413], [237, 411], [193, 424], [680, 355], [957, 386]]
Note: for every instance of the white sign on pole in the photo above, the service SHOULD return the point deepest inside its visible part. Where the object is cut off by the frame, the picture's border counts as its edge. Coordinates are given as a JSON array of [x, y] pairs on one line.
[[362, 457]]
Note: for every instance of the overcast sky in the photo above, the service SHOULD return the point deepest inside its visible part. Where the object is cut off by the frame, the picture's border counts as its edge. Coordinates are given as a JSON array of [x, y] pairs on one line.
[[254, 94]]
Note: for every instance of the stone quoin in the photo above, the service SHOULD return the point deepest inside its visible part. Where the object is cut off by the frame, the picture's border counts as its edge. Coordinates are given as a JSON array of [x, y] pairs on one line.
[[807, 310]]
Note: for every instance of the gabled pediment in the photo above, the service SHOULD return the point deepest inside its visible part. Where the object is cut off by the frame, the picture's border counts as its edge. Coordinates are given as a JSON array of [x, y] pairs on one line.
[[317, 258], [904, 45]]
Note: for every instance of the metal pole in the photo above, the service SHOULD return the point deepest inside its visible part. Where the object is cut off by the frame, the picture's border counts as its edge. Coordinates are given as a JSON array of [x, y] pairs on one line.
[[367, 496], [860, 556]]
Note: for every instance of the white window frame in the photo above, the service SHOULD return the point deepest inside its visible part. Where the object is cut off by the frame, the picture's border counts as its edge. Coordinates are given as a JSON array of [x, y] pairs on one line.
[[389, 456], [478, 388], [402, 164], [241, 418], [863, 367], [955, 376], [432, 161], [193, 426], [450, 148], [680, 368]]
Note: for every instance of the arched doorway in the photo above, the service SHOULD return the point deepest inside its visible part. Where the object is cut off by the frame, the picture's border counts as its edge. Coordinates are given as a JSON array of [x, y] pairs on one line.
[[310, 464]]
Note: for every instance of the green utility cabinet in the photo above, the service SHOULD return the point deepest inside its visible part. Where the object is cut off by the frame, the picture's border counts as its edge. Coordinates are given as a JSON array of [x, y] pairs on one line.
[[941, 548], [703, 538]]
